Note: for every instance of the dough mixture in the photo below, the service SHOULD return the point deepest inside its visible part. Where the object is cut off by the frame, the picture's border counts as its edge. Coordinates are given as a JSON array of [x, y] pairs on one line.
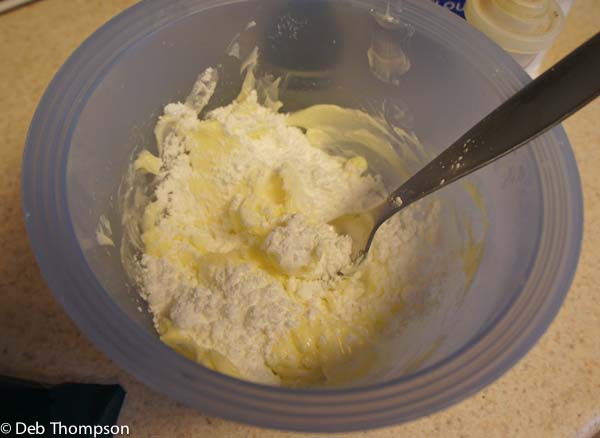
[[240, 267]]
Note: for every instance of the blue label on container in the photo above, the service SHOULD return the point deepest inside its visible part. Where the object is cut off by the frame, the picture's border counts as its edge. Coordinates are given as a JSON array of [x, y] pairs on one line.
[[456, 6]]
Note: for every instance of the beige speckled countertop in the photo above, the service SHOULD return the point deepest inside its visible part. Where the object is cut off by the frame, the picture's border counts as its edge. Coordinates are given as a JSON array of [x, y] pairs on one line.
[[553, 392]]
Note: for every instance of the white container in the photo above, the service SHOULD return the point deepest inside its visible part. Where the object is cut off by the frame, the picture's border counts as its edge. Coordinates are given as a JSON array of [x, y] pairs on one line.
[[524, 28]]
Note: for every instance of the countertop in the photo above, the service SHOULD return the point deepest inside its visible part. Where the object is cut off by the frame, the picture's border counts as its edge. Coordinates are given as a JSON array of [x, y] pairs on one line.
[[554, 391]]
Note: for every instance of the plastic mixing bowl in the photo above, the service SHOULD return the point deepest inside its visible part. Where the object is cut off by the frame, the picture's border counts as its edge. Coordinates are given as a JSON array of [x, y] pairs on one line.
[[102, 106]]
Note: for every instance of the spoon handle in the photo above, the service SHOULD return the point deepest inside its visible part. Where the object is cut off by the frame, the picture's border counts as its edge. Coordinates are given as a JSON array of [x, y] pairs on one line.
[[544, 102]]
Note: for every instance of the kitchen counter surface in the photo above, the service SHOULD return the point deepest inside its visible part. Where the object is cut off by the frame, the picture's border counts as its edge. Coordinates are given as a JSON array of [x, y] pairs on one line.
[[554, 391]]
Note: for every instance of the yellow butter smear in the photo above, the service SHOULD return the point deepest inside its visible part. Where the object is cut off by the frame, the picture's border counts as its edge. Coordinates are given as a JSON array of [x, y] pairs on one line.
[[240, 265]]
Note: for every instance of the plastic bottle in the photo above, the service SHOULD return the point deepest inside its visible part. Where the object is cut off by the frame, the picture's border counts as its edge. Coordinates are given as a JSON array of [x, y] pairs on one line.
[[524, 28]]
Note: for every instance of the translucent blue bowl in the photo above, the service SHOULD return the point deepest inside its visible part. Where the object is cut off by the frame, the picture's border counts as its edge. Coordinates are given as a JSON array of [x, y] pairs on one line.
[[102, 105]]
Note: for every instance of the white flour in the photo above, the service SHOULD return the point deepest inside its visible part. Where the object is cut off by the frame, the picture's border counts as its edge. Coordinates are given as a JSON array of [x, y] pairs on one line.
[[240, 268], [308, 251]]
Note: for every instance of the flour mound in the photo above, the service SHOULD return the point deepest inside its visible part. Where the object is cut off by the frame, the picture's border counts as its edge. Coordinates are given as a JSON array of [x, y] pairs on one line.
[[308, 250]]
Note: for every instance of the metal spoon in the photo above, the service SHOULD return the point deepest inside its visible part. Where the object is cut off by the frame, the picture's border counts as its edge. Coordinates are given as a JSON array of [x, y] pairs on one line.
[[559, 92]]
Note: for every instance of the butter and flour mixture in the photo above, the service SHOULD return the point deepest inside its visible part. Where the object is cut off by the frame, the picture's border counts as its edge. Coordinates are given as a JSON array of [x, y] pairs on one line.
[[240, 267]]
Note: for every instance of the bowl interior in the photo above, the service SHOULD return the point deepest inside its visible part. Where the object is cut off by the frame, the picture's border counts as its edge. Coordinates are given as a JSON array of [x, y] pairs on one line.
[[442, 94]]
